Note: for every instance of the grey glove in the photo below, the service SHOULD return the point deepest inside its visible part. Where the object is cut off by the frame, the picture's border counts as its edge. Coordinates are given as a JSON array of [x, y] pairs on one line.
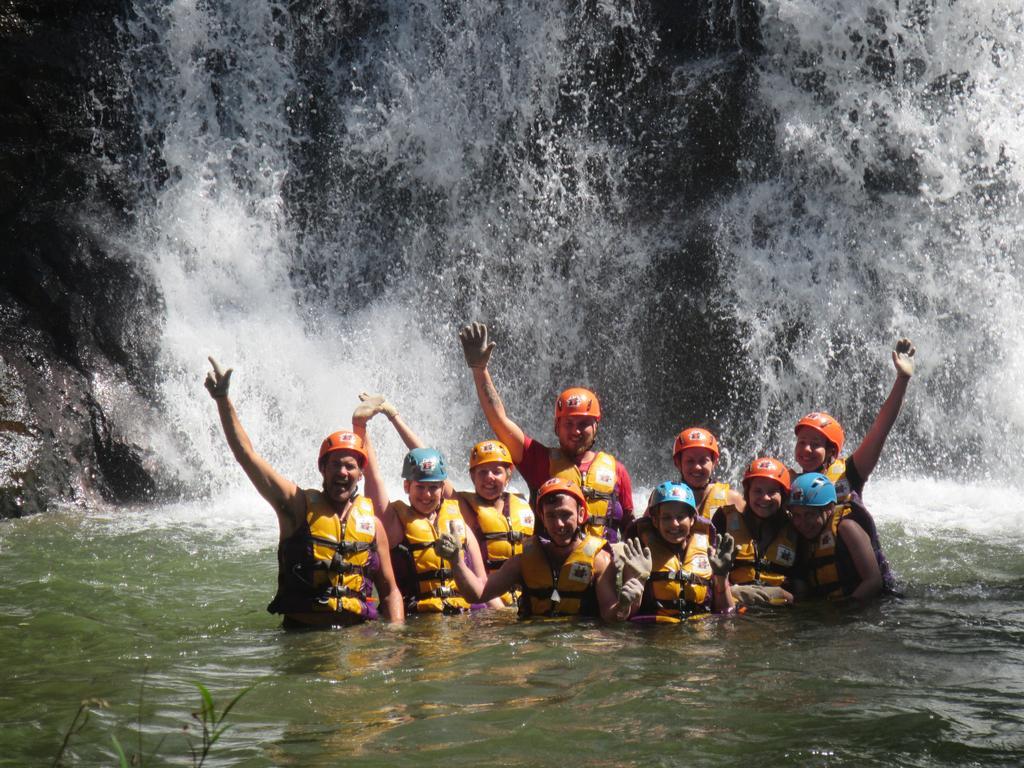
[[217, 381], [631, 591], [903, 358], [371, 405], [475, 345], [447, 547], [632, 558], [725, 557]]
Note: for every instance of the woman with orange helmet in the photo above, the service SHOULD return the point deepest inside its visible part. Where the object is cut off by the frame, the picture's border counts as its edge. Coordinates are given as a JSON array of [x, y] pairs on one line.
[[332, 548], [604, 480], [569, 573], [695, 454], [766, 542], [413, 527], [820, 438]]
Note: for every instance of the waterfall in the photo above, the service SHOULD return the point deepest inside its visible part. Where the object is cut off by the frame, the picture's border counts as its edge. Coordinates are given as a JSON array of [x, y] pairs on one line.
[[704, 227]]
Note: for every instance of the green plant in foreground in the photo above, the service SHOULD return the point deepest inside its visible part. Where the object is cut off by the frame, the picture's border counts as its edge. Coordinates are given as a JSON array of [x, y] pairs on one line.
[[212, 723]]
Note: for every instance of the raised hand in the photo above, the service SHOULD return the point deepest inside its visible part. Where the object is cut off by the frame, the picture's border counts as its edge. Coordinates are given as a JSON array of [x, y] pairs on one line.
[[475, 345], [217, 380], [903, 358], [725, 557]]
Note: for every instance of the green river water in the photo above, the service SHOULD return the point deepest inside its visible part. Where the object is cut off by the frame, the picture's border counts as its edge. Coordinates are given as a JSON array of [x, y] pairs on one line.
[[123, 605]]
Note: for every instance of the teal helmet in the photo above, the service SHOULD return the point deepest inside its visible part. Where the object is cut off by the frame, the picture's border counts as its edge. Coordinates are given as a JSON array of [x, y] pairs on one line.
[[812, 489], [669, 491], [424, 465]]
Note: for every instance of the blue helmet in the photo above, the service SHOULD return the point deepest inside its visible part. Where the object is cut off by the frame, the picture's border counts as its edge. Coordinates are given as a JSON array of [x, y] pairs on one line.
[[812, 489], [669, 491], [424, 465]]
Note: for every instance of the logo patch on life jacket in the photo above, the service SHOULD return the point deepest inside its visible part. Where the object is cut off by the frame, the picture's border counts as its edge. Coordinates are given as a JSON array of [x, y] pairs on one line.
[[604, 477], [700, 563], [700, 540], [365, 524], [786, 556], [580, 572], [826, 540], [526, 519]]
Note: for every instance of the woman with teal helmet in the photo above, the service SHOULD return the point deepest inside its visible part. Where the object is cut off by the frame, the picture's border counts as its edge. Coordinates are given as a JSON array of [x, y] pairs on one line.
[[843, 558]]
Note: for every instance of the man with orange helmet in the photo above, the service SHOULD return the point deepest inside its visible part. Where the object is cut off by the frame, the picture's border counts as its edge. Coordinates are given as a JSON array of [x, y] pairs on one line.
[[568, 574], [695, 455], [820, 438], [332, 547], [766, 542], [604, 480]]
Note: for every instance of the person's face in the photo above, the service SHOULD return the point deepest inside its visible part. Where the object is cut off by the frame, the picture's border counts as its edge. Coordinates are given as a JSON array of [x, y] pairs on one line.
[[673, 519], [576, 434], [424, 498], [813, 451], [490, 479], [561, 514], [764, 496], [809, 521], [341, 474], [695, 466]]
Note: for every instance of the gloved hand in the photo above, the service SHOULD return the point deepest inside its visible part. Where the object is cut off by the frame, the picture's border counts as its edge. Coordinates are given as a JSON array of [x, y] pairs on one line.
[[903, 358], [217, 381], [632, 558], [630, 592], [725, 557], [475, 345], [371, 405], [447, 547]]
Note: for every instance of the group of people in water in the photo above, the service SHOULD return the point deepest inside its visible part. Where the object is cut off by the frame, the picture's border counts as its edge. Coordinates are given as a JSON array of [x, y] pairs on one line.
[[577, 546]]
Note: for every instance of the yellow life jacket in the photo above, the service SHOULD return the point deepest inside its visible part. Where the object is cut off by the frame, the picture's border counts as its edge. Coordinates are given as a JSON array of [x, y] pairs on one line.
[[822, 569], [565, 591], [770, 567], [436, 589], [717, 496], [503, 532], [679, 581], [324, 566], [597, 483], [836, 472]]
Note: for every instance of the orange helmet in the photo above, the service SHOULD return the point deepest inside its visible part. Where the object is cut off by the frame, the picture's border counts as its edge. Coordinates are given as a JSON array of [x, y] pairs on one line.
[[824, 425], [769, 468], [342, 441], [489, 450], [577, 401], [695, 437], [569, 488]]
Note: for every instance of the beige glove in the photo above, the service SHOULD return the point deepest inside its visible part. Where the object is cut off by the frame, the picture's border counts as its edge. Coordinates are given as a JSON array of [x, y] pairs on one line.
[[447, 547], [630, 592], [475, 345], [725, 557], [903, 358], [632, 559], [371, 405], [218, 381]]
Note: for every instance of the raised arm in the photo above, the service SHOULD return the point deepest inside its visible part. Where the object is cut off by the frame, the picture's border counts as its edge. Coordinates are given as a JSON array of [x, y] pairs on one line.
[[283, 495], [477, 349], [865, 458]]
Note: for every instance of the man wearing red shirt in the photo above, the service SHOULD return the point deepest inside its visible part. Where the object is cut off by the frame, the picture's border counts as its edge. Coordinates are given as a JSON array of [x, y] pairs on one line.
[[604, 479]]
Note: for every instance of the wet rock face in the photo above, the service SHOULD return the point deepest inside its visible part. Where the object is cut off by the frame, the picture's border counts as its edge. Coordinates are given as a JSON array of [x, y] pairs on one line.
[[73, 313]]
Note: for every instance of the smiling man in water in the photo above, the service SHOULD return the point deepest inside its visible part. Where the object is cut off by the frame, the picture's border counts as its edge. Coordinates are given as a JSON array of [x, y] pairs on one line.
[[603, 479], [332, 547]]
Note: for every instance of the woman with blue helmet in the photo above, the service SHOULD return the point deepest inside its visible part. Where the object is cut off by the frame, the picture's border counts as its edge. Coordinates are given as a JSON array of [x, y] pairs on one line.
[[843, 559], [424, 577], [689, 571]]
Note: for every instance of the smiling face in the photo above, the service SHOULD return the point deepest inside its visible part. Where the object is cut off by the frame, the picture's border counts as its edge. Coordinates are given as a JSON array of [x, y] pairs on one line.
[[810, 521], [490, 479], [341, 474], [764, 496], [576, 434], [695, 466], [673, 519], [424, 498], [562, 515], [813, 451]]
